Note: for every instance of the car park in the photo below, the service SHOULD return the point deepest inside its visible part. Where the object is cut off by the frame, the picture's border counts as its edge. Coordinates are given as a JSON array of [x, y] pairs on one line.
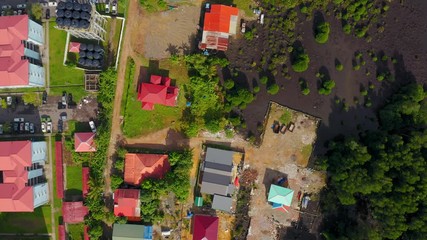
[[32, 130]]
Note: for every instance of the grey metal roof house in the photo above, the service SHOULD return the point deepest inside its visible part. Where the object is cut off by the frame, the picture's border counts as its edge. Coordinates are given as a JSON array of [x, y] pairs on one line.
[[217, 171], [132, 232], [222, 203]]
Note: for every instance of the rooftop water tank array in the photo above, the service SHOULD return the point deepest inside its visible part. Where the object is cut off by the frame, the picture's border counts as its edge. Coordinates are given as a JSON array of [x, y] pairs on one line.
[[73, 14]]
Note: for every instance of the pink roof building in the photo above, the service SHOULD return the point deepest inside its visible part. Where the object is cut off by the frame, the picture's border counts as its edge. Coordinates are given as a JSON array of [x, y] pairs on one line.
[[127, 203], [157, 91], [74, 212], [18, 57], [85, 181], [20, 189], [142, 166], [84, 142], [205, 227], [74, 47]]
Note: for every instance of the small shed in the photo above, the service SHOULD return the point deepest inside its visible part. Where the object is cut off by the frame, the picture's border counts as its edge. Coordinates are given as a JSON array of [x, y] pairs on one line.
[[131, 231], [280, 195], [222, 203], [198, 202], [74, 47]]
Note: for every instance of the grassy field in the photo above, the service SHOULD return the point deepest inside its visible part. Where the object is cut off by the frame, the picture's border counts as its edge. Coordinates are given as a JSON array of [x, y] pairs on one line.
[[74, 180], [137, 121], [38, 221], [76, 231], [63, 78]]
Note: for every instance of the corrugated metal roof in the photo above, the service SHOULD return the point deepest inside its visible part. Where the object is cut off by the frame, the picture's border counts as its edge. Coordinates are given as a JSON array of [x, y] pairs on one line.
[[219, 156], [212, 188], [131, 232], [222, 203]]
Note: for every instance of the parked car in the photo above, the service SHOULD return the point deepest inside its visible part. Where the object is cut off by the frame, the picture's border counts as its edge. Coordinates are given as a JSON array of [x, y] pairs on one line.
[[15, 12], [6, 7], [60, 126], [44, 97], [70, 99], [63, 116], [92, 126], [52, 4], [27, 126], [18, 120], [114, 8], [48, 13], [207, 7], [19, 11], [15, 127], [107, 7], [3, 13], [49, 127], [21, 127], [21, 6], [64, 99], [43, 126], [32, 130], [1, 128], [9, 100]]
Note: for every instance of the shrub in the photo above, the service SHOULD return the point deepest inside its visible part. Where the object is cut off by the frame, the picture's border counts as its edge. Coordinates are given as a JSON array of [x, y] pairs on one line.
[[256, 89], [327, 86], [380, 76], [300, 62], [32, 98], [264, 79], [375, 58], [347, 29], [363, 92], [339, 67], [305, 91], [286, 117], [322, 33], [384, 58], [273, 89], [356, 67], [394, 60], [228, 84], [229, 133]]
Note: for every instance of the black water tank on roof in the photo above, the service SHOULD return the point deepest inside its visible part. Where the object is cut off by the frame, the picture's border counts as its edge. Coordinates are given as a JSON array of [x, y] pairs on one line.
[[89, 62], [98, 48], [89, 54], [90, 47], [82, 46], [82, 54], [61, 5], [60, 13], [84, 15], [96, 63], [68, 14], [96, 55], [60, 22], [67, 22], [76, 14], [82, 60], [69, 6], [77, 6], [75, 23]]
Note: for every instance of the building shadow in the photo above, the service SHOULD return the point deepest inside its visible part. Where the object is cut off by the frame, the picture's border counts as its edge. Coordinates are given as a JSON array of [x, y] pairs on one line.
[[269, 178], [152, 69]]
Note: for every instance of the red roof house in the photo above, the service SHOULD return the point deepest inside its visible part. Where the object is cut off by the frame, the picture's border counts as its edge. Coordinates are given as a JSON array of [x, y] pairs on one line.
[[219, 23], [205, 227], [85, 180], [127, 203], [157, 91], [15, 195], [74, 212], [141, 166], [84, 142], [74, 47]]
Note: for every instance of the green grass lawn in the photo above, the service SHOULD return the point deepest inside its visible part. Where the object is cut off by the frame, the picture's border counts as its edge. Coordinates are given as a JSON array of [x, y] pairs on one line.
[[76, 231], [74, 180], [63, 78], [137, 121], [245, 5], [38, 221]]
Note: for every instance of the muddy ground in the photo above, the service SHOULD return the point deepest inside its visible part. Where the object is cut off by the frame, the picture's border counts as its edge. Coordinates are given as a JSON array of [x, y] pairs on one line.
[[405, 37]]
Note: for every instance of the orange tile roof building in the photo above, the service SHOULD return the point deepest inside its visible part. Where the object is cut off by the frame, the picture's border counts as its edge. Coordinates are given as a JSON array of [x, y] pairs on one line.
[[219, 23], [22, 185], [127, 203], [20, 61], [84, 142], [142, 166], [74, 212]]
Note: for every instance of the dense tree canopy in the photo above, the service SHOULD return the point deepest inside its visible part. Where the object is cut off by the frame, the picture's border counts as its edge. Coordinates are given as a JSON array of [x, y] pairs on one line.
[[384, 174], [321, 34]]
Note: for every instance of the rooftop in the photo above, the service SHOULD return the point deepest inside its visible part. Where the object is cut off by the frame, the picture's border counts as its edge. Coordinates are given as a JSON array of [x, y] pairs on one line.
[[141, 166], [127, 203], [205, 227], [84, 142], [74, 212], [157, 91], [130, 231]]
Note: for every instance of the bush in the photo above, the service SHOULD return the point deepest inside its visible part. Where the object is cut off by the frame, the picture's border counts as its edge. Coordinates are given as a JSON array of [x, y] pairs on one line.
[[322, 33], [300, 62], [339, 66], [363, 92], [356, 67], [327, 86], [264, 79], [305, 91], [32, 98], [228, 84], [347, 29], [273, 89], [256, 89], [286, 117]]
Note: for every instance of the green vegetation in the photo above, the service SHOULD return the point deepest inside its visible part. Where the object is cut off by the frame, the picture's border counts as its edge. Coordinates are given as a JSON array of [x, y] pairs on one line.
[[286, 117], [382, 173], [63, 78], [228, 84], [273, 89], [32, 98], [300, 60], [138, 121], [74, 180], [154, 5], [250, 34], [339, 66], [36, 11], [76, 231], [264, 80], [38, 221], [321, 33]]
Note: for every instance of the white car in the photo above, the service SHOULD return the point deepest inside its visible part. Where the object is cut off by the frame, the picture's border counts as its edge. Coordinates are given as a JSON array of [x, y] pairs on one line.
[[9, 100], [92, 126], [21, 6], [49, 127], [6, 7], [107, 8], [52, 4], [19, 11], [43, 127]]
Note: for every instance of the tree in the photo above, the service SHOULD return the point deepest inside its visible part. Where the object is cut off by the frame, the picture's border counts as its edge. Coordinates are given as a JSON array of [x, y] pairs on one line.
[[31, 98], [264, 79], [273, 89], [36, 11], [95, 232], [286, 117], [339, 66], [229, 84], [300, 61], [116, 181], [321, 33]]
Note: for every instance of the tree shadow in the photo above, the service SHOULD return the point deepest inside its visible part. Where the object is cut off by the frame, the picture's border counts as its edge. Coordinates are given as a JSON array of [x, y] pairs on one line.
[[317, 19]]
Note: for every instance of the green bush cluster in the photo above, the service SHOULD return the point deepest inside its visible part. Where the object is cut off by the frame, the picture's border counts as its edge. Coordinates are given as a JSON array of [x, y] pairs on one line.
[[321, 34], [300, 60]]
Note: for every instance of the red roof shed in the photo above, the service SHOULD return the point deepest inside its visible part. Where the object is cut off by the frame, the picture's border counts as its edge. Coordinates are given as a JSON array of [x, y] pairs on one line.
[[84, 142], [127, 203], [74, 212], [74, 47], [141, 166], [205, 227]]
